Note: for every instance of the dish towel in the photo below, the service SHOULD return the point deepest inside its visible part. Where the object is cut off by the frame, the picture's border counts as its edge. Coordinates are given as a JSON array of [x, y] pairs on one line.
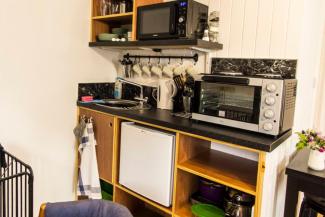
[[88, 180]]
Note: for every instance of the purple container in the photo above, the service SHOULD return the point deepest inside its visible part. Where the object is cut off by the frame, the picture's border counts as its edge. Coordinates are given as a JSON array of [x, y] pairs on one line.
[[212, 191]]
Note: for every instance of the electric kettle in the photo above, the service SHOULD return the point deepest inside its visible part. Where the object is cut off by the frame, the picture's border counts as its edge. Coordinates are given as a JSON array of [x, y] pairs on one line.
[[165, 92]]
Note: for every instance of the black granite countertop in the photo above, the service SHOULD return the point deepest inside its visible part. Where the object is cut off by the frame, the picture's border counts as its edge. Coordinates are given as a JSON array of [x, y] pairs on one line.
[[164, 118]]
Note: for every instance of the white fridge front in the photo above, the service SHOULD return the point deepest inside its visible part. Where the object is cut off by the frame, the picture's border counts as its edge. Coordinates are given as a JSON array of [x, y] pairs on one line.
[[147, 162]]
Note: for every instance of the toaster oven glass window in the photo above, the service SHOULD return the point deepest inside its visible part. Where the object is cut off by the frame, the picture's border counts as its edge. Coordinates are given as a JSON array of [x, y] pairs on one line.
[[155, 21], [230, 101]]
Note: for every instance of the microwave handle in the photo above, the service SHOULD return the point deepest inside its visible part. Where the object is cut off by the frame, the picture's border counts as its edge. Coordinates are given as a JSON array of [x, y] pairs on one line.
[[214, 79], [173, 16]]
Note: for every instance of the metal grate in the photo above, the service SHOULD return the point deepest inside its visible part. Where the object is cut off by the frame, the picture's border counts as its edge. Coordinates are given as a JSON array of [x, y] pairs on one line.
[[16, 186]]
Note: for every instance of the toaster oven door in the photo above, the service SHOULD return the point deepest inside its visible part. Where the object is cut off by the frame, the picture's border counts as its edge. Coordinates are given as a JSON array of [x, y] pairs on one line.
[[228, 101]]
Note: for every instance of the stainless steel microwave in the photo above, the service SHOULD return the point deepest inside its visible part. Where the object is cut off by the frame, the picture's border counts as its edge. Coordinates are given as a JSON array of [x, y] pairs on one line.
[[175, 19], [256, 104]]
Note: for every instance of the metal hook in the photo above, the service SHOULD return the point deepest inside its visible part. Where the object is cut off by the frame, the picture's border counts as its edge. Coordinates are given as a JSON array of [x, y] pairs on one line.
[[159, 61], [168, 60], [182, 61]]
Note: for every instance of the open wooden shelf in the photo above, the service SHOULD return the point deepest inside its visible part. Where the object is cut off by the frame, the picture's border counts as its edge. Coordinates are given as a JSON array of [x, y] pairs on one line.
[[236, 172], [186, 185], [115, 17], [160, 44], [167, 210]]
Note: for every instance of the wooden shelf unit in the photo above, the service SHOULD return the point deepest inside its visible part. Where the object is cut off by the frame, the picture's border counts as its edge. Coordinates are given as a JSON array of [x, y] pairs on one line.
[[196, 157], [104, 24], [194, 160], [115, 17], [167, 210], [137, 206], [159, 44]]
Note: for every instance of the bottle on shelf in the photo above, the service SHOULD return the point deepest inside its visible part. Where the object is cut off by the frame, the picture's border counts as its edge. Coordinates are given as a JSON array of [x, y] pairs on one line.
[[122, 6]]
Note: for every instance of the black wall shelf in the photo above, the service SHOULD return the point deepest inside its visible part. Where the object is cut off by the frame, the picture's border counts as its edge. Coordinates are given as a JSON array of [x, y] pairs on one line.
[[159, 44]]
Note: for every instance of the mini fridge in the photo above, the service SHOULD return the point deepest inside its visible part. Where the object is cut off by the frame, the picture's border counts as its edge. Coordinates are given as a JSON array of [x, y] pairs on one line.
[[147, 162]]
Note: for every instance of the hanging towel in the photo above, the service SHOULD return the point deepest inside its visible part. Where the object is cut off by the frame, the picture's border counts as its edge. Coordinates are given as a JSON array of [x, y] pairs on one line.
[[88, 180]]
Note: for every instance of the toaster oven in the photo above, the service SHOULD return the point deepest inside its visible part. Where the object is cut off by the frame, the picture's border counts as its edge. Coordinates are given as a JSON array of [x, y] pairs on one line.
[[252, 103]]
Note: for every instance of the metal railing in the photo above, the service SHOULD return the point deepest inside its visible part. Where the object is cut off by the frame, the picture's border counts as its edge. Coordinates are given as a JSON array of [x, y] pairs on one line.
[[16, 186]]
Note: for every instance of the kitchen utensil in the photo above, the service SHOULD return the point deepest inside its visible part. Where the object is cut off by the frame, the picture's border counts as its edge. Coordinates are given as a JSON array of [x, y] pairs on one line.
[[179, 82], [106, 36], [165, 92], [211, 191], [207, 210], [187, 104], [127, 64], [238, 204]]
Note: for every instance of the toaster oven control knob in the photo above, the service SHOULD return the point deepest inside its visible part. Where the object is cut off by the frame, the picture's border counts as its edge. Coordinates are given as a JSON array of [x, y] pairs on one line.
[[269, 100], [271, 88], [181, 19], [269, 114], [268, 126]]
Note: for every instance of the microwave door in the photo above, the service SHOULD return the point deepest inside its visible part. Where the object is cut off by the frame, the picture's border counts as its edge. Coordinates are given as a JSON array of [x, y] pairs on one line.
[[157, 21]]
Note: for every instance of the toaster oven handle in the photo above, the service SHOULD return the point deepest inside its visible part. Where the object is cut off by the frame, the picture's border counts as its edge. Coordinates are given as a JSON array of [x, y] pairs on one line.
[[218, 79]]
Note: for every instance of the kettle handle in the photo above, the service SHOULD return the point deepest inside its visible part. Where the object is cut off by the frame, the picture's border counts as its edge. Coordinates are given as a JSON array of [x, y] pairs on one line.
[[174, 88], [153, 93]]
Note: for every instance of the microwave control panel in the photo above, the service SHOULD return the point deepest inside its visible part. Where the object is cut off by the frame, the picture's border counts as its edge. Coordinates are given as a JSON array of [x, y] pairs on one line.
[[182, 17]]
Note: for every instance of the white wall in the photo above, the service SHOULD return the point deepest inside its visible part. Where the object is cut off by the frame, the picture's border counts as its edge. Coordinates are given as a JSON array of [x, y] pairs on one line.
[[290, 29], [43, 56], [319, 115], [259, 28]]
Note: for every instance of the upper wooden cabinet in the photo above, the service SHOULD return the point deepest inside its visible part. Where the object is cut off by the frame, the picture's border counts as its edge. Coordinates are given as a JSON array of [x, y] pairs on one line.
[[104, 132], [104, 24]]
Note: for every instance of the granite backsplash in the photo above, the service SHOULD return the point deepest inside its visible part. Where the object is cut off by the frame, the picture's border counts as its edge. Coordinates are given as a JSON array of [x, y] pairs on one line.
[[251, 67], [106, 91]]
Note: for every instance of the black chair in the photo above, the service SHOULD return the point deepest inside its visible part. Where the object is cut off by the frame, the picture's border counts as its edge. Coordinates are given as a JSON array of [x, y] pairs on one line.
[[311, 206], [84, 208]]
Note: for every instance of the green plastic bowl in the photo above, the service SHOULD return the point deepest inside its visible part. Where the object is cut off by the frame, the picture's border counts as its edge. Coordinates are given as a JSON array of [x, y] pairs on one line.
[[119, 31], [107, 36], [207, 210]]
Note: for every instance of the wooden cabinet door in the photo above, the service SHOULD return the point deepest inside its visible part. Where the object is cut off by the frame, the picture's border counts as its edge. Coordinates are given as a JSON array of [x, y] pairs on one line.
[[104, 132]]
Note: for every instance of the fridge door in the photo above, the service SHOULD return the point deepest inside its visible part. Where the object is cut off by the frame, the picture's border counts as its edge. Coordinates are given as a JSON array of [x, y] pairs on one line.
[[147, 162]]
